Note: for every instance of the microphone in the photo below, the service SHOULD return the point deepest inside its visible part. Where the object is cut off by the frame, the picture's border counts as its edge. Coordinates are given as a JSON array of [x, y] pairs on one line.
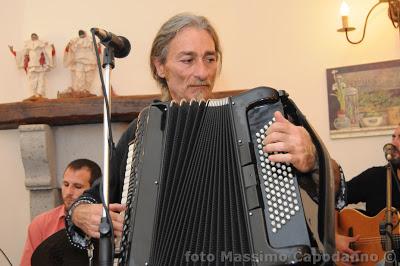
[[390, 150], [120, 44]]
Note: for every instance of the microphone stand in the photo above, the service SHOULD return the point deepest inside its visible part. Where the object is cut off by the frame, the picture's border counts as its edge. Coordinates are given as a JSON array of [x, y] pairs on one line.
[[388, 228], [105, 244]]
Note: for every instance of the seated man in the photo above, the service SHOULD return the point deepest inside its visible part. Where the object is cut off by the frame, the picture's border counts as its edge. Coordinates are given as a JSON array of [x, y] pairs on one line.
[[370, 187], [79, 175]]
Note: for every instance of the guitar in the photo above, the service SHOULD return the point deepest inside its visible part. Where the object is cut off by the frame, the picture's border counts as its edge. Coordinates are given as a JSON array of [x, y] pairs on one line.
[[371, 244]]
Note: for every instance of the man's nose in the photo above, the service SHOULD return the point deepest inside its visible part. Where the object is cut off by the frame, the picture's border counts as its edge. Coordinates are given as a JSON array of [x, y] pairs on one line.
[[70, 190], [201, 70], [396, 142]]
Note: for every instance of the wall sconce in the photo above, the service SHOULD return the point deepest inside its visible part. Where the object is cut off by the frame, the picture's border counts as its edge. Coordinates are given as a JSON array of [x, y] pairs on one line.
[[393, 13]]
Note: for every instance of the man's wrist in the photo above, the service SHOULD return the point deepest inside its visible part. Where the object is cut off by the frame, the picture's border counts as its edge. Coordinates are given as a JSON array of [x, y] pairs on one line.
[[77, 203], [76, 236]]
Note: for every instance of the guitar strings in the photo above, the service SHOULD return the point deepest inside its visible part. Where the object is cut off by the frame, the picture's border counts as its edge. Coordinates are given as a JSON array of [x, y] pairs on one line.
[[367, 240]]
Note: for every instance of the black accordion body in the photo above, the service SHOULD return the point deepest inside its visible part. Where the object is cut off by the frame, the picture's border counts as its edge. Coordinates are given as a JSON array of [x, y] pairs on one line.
[[200, 190]]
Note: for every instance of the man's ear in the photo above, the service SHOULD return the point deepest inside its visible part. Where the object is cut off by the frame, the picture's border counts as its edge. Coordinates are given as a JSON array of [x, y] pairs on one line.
[[159, 67]]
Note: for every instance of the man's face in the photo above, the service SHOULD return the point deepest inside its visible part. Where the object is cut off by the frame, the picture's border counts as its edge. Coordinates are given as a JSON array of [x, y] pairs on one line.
[[191, 65], [75, 182], [396, 140]]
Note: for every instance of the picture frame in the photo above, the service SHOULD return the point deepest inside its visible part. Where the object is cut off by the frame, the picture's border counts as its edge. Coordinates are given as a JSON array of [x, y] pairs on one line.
[[364, 100]]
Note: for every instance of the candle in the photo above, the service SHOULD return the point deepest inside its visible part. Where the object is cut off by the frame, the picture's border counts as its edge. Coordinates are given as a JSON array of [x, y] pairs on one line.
[[345, 22], [344, 12]]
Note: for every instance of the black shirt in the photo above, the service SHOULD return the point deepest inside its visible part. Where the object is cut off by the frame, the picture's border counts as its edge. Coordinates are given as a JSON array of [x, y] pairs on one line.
[[370, 187]]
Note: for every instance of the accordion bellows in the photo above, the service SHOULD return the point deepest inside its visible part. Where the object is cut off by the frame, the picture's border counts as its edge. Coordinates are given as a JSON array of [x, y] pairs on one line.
[[200, 190]]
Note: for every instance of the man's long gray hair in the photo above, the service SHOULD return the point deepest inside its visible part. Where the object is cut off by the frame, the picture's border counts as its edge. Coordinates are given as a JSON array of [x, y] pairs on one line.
[[167, 32]]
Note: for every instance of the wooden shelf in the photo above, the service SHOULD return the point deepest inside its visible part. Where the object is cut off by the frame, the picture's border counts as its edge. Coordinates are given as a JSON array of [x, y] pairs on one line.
[[73, 111]]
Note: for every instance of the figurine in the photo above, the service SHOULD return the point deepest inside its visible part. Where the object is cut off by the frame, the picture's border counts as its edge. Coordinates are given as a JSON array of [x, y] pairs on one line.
[[80, 58], [36, 58]]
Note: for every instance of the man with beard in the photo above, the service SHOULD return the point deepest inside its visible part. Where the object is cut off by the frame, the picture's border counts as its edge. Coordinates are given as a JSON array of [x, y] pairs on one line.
[[79, 175], [369, 187]]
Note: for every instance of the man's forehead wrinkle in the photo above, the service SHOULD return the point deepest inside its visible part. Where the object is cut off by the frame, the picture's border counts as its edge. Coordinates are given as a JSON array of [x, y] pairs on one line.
[[194, 53]]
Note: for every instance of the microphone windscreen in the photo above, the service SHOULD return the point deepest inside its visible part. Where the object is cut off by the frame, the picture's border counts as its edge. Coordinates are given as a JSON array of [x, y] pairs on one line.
[[126, 48]]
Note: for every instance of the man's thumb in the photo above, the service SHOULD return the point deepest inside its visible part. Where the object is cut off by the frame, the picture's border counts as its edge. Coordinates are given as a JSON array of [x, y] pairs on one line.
[[279, 117]]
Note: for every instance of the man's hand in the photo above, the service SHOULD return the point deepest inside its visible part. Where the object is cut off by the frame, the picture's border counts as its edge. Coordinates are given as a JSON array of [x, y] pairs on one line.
[[348, 255], [87, 217], [293, 141]]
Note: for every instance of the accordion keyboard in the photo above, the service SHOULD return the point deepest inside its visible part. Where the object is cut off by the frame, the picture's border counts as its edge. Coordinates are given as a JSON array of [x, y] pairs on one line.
[[279, 186], [125, 190]]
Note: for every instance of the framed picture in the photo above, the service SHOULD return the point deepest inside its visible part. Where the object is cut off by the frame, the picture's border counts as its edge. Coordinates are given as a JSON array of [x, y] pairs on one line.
[[364, 100]]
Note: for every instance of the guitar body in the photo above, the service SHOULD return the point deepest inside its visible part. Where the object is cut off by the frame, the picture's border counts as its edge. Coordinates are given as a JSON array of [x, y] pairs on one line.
[[352, 223]]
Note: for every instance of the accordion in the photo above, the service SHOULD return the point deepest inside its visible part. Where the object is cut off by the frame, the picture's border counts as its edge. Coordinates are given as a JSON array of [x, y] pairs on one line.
[[200, 190]]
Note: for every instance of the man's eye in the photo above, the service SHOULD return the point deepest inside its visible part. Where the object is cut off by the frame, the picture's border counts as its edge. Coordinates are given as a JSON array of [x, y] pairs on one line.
[[187, 61], [211, 59]]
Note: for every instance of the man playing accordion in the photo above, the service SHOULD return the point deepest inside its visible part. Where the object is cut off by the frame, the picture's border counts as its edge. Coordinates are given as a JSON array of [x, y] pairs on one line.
[[185, 60]]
